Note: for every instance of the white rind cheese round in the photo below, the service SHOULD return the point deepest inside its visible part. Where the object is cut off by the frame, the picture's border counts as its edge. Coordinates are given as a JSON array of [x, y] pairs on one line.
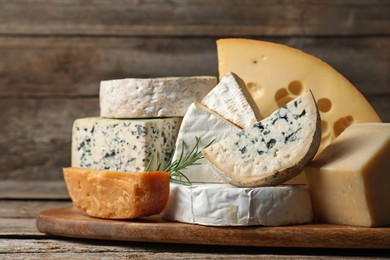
[[158, 97], [225, 205]]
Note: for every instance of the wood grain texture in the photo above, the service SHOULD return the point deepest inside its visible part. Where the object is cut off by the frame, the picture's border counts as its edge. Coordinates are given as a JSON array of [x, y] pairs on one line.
[[28, 208], [35, 138], [32, 190], [49, 248], [19, 239], [18, 227], [74, 66], [70, 222], [198, 17], [381, 104]]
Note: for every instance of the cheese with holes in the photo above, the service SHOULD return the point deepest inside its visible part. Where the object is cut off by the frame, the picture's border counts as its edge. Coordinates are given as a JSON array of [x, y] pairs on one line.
[[224, 205], [349, 181], [275, 74], [199, 121], [231, 99], [117, 195], [271, 151], [122, 144], [158, 97]]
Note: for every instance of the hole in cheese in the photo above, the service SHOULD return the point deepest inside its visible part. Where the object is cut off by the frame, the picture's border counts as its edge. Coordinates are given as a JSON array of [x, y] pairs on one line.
[[341, 124], [282, 97], [324, 105], [295, 87]]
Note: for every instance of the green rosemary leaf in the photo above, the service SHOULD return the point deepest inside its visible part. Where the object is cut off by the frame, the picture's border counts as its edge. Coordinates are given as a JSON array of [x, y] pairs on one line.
[[211, 142], [185, 160], [158, 162], [150, 160]]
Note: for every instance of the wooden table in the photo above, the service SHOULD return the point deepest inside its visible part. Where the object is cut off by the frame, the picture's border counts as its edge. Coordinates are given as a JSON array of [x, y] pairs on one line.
[[20, 239]]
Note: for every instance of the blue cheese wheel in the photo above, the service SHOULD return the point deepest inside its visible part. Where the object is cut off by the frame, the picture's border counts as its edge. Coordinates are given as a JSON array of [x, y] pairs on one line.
[[122, 144], [273, 150]]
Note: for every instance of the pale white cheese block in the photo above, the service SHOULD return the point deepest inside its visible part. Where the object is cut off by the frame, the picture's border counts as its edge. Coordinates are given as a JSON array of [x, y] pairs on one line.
[[122, 144], [199, 121], [273, 150], [231, 99], [225, 205], [157, 97]]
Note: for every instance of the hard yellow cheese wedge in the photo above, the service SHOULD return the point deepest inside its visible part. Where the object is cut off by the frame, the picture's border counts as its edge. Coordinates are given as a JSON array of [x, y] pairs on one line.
[[349, 181], [275, 74]]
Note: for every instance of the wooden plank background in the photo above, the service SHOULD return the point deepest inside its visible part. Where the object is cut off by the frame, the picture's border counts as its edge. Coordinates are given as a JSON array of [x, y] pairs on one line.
[[53, 54]]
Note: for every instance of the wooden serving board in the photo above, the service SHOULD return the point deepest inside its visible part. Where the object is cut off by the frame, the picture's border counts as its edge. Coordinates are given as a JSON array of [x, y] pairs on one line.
[[70, 222]]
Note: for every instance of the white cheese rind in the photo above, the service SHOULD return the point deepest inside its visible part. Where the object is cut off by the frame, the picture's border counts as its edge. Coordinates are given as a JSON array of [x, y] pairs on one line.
[[273, 150], [224, 205], [158, 97], [122, 144], [199, 121], [232, 100]]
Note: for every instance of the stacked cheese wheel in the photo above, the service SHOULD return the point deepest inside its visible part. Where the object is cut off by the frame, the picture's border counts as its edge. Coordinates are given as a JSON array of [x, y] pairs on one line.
[[228, 117], [140, 118]]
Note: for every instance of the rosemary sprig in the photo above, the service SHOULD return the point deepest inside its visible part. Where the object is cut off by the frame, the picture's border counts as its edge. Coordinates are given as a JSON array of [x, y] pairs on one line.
[[176, 167]]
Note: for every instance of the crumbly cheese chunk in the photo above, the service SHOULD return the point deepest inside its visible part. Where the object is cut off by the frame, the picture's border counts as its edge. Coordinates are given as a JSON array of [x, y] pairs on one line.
[[117, 195], [122, 144], [232, 101], [158, 97], [225, 205], [349, 181], [271, 151], [201, 122]]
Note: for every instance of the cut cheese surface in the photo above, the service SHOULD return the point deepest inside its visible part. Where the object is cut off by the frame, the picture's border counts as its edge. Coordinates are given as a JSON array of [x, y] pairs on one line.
[[199, 121], [275, 74], [122, 144], [117, 195], [224, 205], [349, 181], [158, 97], [271, 151], [231, 99]]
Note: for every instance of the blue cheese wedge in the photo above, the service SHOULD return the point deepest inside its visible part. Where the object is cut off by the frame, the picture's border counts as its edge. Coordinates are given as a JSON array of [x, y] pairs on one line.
[[122, 144], [231, 99], [225, 205], [273, 150], [199, 121], [157, 97]]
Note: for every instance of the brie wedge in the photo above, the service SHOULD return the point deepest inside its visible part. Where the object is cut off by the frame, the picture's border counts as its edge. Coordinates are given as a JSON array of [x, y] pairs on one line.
[[231, 99], [199, 121]]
